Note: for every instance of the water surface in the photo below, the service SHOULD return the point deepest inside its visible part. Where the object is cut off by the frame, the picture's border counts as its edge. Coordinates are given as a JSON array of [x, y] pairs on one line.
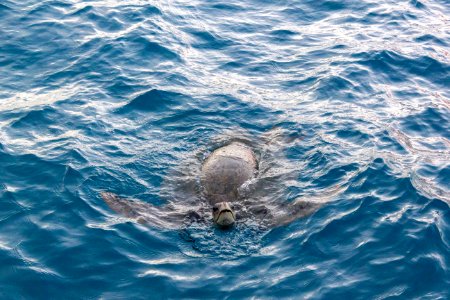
[[130, 96]]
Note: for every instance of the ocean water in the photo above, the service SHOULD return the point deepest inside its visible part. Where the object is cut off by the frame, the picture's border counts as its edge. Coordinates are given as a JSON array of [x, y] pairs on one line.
[[346, 103]]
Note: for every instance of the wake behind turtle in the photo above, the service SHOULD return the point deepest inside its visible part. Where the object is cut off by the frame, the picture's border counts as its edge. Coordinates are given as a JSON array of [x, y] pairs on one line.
[[223, 174]]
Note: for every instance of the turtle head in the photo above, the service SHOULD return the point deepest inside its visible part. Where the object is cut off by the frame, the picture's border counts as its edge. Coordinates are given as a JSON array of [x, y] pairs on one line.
[[223, 214]]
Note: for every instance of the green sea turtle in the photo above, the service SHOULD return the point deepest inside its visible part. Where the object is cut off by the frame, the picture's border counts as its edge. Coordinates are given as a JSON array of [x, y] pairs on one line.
[[223, 174]]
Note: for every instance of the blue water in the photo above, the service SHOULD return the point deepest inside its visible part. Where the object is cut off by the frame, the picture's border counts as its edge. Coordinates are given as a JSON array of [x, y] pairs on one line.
[[130, 96]]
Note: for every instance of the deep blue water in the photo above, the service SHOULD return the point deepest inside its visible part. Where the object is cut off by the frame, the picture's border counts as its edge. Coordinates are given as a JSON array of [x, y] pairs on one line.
[[126, 96]]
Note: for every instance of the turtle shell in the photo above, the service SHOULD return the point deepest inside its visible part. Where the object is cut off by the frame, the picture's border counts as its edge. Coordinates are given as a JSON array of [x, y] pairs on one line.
[[225, 170]]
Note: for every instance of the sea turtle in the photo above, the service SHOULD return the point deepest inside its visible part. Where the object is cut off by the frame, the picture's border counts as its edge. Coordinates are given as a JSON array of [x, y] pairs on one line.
[[223, 173]]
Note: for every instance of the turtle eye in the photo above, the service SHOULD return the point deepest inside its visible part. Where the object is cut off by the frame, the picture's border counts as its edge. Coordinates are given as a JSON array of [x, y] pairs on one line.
[[215, 209]]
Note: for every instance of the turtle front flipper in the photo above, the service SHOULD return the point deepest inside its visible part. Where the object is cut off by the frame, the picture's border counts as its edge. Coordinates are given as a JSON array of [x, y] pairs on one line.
[[293, 211], [145, 213], [127, 208]]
